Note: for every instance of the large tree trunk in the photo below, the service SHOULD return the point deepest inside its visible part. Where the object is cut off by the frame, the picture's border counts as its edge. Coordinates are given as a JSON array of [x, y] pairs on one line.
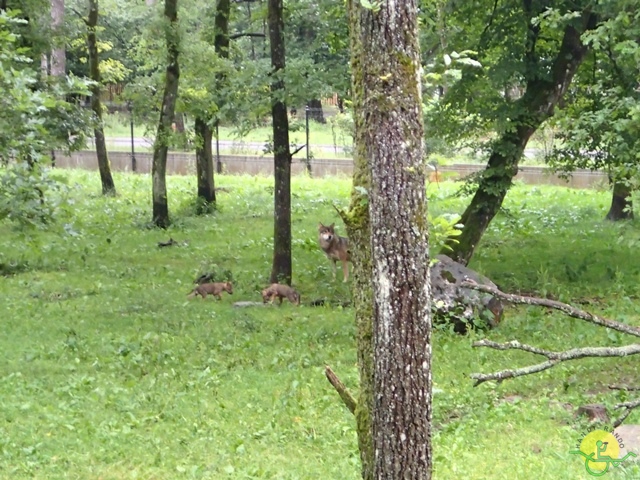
[[359, 233], [536, 106], [161, 145], [392, 119], [315, 111], [108, 186], [281, 269], [204, 167], [621, 203], [393, 411]]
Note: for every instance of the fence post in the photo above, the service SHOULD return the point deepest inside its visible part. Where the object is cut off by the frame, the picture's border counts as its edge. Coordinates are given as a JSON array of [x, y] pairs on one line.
[[134, 164], [218, 162], [306, 122]]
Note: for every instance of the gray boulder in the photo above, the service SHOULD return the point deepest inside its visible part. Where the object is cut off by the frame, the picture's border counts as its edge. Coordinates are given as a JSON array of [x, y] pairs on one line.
[[457, 306]]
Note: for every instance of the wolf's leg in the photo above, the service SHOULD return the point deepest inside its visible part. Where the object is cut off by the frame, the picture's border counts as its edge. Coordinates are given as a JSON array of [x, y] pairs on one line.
[[333, 265], [345, 270]]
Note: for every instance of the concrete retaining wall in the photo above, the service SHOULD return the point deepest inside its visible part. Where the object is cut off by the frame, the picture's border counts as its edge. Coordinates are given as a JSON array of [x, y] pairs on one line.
[[184, 164]]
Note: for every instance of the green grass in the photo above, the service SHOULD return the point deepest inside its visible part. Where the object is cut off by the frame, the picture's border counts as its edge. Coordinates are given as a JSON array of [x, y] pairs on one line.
[[117, 125], [107, 371]]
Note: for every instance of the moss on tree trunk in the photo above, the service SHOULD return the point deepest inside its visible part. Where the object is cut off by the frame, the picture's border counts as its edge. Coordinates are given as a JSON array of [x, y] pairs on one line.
[[542, 94], [393, 325]]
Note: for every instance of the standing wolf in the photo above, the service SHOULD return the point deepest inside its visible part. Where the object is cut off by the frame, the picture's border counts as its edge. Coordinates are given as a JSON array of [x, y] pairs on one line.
[[335, 247]]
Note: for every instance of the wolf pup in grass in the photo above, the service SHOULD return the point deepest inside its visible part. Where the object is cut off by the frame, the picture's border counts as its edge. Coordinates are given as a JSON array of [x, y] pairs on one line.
[[270, 293], [214, 289], [335, 248]]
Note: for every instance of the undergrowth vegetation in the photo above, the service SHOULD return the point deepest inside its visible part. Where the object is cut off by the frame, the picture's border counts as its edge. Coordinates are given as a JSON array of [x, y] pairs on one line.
[[109, 372]]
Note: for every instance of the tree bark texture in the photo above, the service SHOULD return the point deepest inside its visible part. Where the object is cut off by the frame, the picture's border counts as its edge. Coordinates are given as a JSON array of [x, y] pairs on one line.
[[359, 232], [621, 203], [394, 407], [543, 92], [281, 269], [108, 186], [58, 52], [399, 241], [167, 113], [204, 167]]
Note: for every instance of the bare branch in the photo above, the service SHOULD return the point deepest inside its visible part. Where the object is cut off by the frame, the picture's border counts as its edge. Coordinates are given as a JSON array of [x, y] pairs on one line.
[[298, 149], [345, 395], [563, 307], [553, 358], [246, 34], [628, 406], [80, 16], [625, 388]]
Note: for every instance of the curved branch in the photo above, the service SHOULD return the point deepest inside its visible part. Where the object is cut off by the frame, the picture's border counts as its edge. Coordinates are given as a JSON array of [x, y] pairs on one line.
[[553, 358], [628, 406], [563, 307]]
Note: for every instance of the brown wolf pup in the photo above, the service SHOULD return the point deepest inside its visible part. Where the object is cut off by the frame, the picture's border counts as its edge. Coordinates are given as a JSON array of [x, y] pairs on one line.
[[214, 289], [335, 247], [270, 293]]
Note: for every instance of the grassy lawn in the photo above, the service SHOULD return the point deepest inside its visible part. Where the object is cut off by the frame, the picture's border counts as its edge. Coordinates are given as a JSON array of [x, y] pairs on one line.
[[117, 125], [107, 371]]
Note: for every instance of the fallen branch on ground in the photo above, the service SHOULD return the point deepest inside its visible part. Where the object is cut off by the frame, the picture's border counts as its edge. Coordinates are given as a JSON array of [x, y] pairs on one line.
[[628, 406], [340, 387], [563, 307], [553, 358], [624, 387]]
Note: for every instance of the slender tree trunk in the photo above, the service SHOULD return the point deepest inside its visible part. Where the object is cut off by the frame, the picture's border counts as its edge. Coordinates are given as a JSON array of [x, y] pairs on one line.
[[221, 45], [281, 269], [58, 53], [536, 105], [204, 167], [108, 186], [204, 156], [161, 145], [359, 233], [315, 111], [392, 120], [621, 203]]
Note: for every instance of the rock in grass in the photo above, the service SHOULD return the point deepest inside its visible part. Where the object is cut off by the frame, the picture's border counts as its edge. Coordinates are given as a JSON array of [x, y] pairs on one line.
[[461, 307], [249, 304]]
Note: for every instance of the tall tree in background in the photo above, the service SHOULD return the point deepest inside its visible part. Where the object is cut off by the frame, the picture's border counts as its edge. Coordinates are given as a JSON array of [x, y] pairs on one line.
[[167, 113], [108, 186], [58, 52], [393, 411], [204, 153], [529, 48], [600, 116], [281, 268]]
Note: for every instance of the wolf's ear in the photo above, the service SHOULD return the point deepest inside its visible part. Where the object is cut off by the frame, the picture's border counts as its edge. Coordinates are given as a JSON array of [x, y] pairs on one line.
[[332, 226], [320, 225]]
